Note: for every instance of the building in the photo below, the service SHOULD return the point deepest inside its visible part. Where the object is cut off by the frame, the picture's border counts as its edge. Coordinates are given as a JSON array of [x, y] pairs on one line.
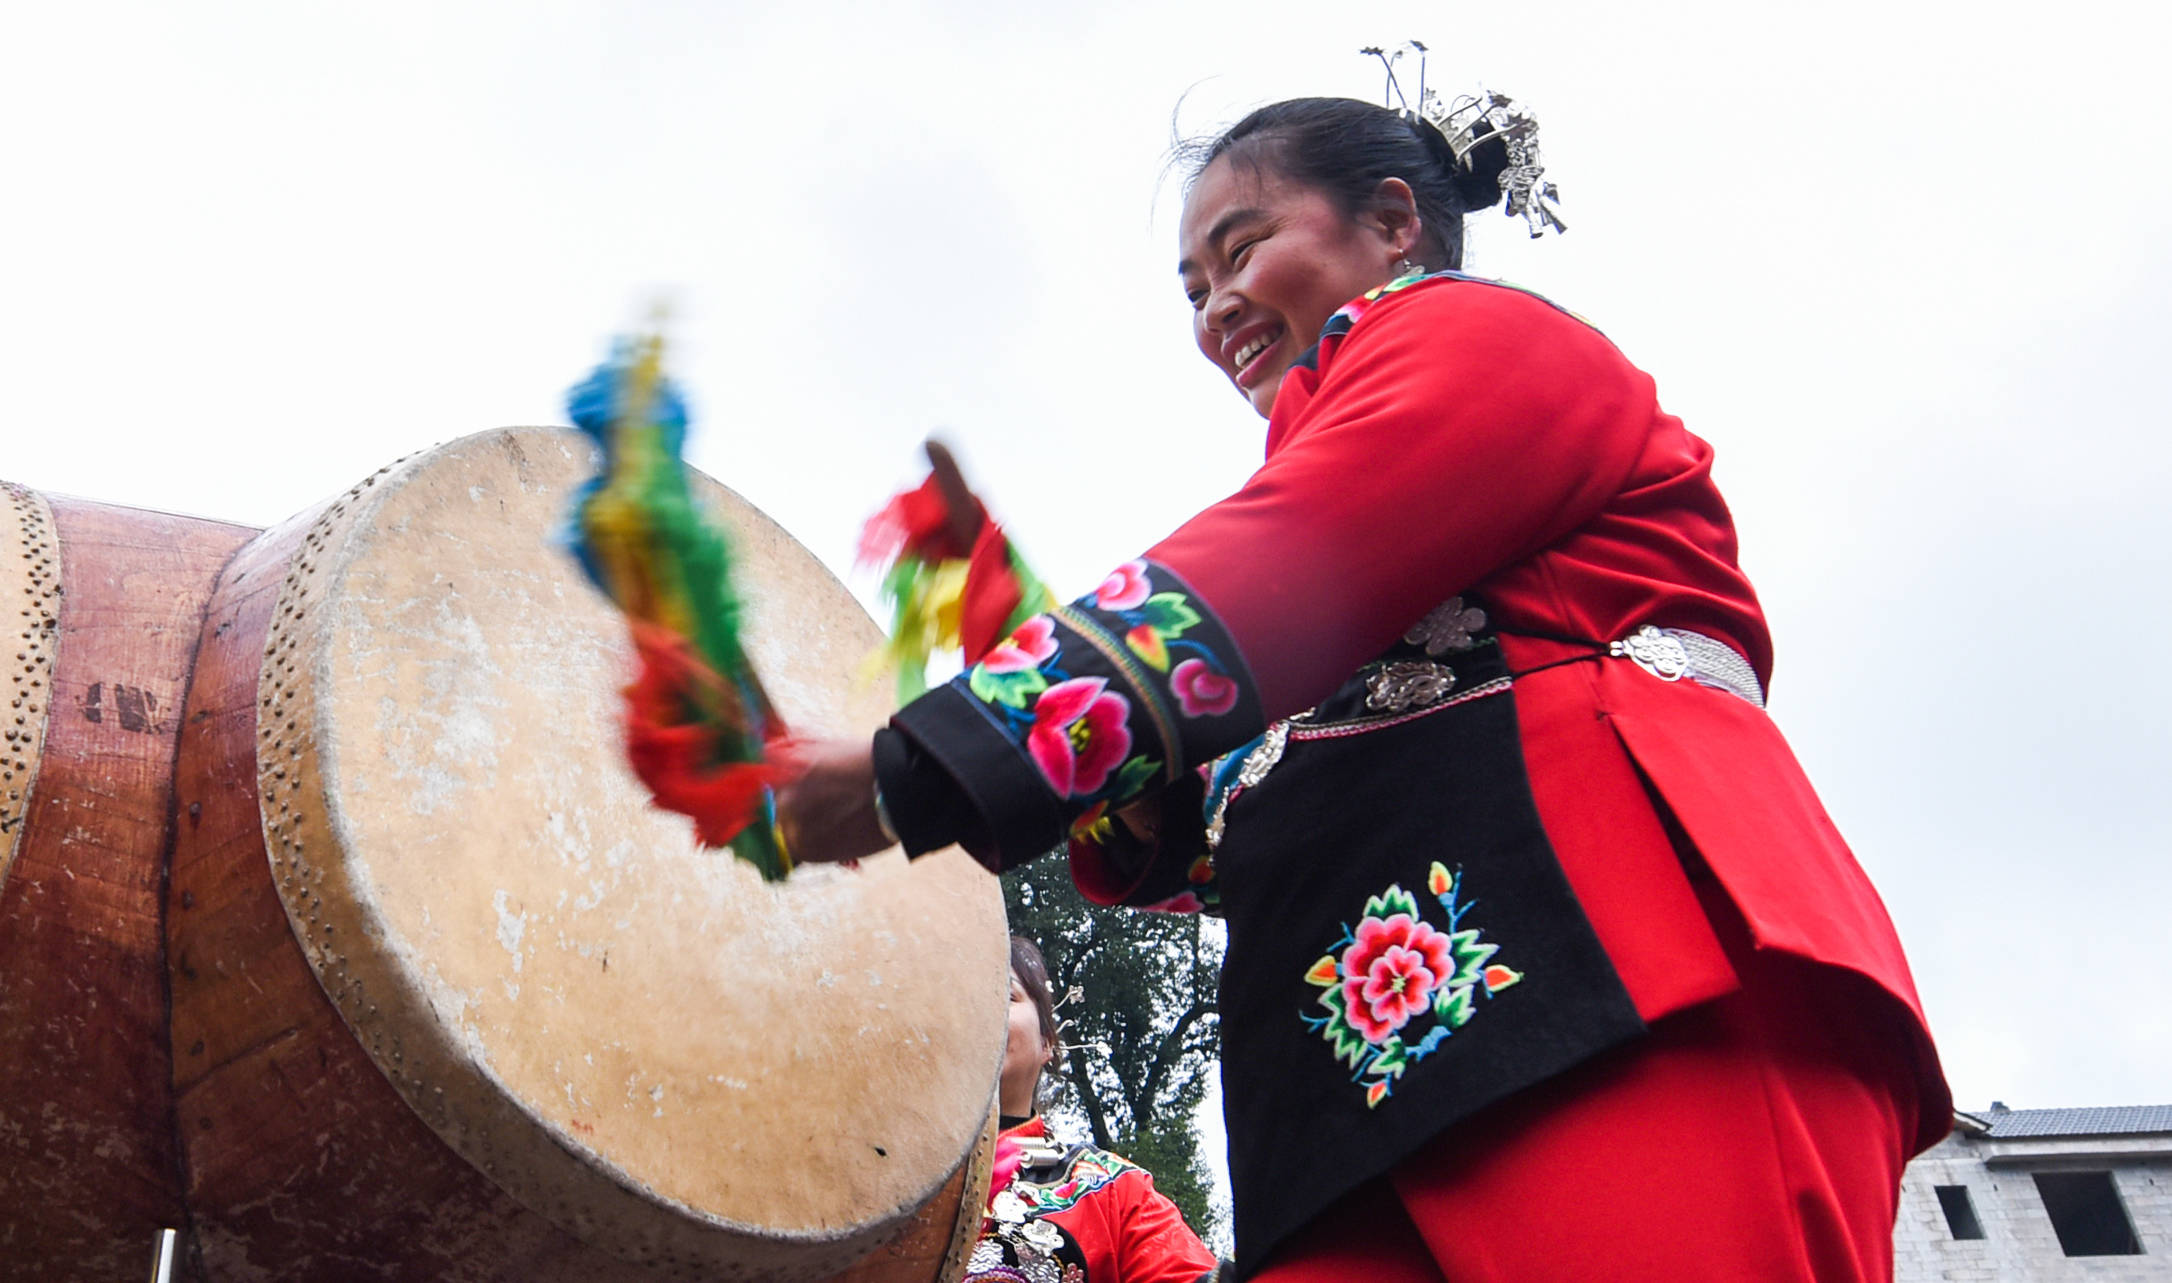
[[2041, 1194]]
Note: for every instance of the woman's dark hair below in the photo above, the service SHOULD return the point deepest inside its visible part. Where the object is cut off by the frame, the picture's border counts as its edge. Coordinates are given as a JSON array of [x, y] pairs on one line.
[[1345, 148], [1032, 973]]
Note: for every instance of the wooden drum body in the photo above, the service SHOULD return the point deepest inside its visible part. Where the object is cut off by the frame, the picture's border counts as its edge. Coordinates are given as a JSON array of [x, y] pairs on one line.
[[450, 1001], [101, 607]]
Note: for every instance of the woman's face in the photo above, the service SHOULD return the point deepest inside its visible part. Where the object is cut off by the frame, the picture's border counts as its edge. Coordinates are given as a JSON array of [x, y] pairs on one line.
[[1266, 260], [1024, 1054]]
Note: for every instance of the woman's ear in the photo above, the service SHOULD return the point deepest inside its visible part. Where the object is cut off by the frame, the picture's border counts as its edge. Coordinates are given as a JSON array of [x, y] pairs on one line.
[[1394, 216]]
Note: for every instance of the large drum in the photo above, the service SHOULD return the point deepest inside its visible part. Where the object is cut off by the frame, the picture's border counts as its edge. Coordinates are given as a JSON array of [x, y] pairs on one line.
[[101, 607], [450, 1001]]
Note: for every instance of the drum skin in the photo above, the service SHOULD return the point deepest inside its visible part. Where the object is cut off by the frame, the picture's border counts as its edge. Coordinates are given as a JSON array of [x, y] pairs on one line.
[[102, 606], [449, 1001]]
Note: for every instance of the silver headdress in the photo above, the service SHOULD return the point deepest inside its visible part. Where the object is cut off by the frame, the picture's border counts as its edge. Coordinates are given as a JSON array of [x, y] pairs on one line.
[[1476, 119]]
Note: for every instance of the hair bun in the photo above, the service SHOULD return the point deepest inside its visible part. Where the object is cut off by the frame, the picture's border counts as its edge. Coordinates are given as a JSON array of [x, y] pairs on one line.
[[1495, 139], [1478, 177]]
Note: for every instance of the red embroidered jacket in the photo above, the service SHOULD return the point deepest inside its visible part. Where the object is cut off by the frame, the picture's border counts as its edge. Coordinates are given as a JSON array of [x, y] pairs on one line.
[[1100, 1220], [1464, 436], [1451, 436]]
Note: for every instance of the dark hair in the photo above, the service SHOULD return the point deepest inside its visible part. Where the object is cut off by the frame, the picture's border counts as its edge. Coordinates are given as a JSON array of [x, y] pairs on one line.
[[1032, 973], [1344, 148]]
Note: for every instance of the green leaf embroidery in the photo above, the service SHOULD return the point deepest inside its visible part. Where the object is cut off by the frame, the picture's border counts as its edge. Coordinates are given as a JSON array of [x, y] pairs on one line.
[[1015, 690], [1349, 1045], [1132, 776], [1453, 1006], [1392, 901], [1169, 614], [1471, 955], [1392, 1060]]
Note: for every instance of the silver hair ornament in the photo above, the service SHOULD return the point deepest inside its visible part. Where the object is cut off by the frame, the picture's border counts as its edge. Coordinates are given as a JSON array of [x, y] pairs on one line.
[[1468, 121]]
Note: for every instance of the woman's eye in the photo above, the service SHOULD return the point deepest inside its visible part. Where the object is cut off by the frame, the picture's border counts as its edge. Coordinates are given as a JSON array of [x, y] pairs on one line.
[[1237, 255]]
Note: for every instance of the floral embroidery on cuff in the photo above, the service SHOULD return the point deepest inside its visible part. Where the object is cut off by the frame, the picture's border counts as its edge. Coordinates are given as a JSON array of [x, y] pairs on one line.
[[1079, 734], [1200, 691], [1100, 696], [1126, 588], [1396, 987]]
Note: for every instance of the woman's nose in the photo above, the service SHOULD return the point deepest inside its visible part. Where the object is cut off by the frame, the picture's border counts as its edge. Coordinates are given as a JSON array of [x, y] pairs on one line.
[[1222, 309]]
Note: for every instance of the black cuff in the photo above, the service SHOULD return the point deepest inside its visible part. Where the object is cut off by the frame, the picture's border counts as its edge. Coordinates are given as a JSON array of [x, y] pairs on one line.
[[1006, 813], [925, 806]]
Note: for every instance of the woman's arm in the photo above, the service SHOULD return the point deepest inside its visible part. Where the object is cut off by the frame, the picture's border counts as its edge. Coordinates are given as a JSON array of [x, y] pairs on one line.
[[1457, 428]]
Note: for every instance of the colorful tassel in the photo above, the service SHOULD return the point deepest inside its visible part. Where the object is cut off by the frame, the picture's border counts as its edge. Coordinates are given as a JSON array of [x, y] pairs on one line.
[[952, 579], [700, 731]]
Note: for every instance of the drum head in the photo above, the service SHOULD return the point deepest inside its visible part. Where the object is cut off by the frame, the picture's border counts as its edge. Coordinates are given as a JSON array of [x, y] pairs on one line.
[[634, 1036]]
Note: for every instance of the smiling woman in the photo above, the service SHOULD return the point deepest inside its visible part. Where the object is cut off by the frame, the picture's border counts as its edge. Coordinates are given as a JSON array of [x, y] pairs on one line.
[[1544, 960], [1292, 221]]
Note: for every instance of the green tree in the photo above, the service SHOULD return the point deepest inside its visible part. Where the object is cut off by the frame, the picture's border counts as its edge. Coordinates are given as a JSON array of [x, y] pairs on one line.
[[1140, 1034]]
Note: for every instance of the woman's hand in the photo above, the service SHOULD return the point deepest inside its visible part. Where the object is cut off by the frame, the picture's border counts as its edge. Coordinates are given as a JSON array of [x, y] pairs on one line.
[[828, 815], [963, 509]]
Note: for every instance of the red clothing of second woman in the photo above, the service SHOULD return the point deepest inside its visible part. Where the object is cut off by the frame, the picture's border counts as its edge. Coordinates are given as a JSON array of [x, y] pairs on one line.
[[1115, 1226]]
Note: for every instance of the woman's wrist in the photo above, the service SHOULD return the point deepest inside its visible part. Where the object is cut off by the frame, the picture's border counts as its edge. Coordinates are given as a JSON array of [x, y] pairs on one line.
[[882, 815]]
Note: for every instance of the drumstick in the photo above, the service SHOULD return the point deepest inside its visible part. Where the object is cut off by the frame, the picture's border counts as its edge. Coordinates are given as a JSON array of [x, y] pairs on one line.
[[962, 512], [945, 590]]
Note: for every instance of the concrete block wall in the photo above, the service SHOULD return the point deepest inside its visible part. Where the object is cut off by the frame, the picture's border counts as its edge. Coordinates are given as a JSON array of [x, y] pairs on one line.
[[2019, 1244]]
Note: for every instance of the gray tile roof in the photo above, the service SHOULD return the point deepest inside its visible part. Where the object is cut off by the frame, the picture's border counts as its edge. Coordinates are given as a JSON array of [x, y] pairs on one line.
[[2107, 1120]]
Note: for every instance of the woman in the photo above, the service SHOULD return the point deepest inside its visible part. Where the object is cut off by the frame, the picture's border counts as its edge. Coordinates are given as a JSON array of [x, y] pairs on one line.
[[1544, 960], [1068, 1214]]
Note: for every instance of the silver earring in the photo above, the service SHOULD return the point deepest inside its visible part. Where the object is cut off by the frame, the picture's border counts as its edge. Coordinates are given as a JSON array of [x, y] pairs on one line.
[[1407, 268]]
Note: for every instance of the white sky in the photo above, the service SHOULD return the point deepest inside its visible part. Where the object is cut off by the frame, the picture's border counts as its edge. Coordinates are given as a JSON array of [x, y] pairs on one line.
[[1905, 264]]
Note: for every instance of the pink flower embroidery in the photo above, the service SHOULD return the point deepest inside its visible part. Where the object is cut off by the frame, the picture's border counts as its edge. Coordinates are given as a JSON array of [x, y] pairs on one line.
[[1125, 588], [1200, 691], [1033, 645], [1078, 734], [1389, 973]]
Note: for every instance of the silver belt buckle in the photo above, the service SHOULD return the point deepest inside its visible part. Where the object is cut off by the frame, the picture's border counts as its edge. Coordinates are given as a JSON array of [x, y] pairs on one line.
[[1664, 657]]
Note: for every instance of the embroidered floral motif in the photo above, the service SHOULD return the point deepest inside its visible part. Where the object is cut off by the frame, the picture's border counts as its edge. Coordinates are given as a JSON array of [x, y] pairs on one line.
[[1181, 902], [1447, 627], [1200, 691], [1033, 645], [1088, 1172], [1407, 684], [1017, 1241], [1162, 618], [1079, 734], [1099, 694], [1396, 987], [1126, 588]]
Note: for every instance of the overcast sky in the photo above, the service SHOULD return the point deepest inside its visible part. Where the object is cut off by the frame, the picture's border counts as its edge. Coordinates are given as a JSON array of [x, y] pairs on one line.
[[1905, 264]]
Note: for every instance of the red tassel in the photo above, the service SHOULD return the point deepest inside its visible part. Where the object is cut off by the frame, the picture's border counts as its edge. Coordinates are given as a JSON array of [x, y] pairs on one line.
[[690, 767], [916, 521], [992, 594]]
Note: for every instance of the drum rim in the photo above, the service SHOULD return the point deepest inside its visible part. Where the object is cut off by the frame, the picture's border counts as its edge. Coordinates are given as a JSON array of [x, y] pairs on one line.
[[35, 594]]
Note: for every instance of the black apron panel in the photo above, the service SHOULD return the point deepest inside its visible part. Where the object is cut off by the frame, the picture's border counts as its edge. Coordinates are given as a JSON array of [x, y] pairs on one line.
[[1329, 864]]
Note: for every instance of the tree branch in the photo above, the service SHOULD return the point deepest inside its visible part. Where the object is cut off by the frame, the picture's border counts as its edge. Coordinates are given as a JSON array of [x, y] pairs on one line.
[[1095, 1117], [1170, 1051]]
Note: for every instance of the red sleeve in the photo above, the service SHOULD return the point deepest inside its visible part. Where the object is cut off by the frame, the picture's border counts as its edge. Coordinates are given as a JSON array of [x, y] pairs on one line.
[[1457, 428], [1154, 1245]]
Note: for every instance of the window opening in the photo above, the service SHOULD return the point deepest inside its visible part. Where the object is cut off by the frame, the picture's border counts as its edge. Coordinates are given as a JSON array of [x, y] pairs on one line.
[[1960, 1211], [2086, 1213]]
